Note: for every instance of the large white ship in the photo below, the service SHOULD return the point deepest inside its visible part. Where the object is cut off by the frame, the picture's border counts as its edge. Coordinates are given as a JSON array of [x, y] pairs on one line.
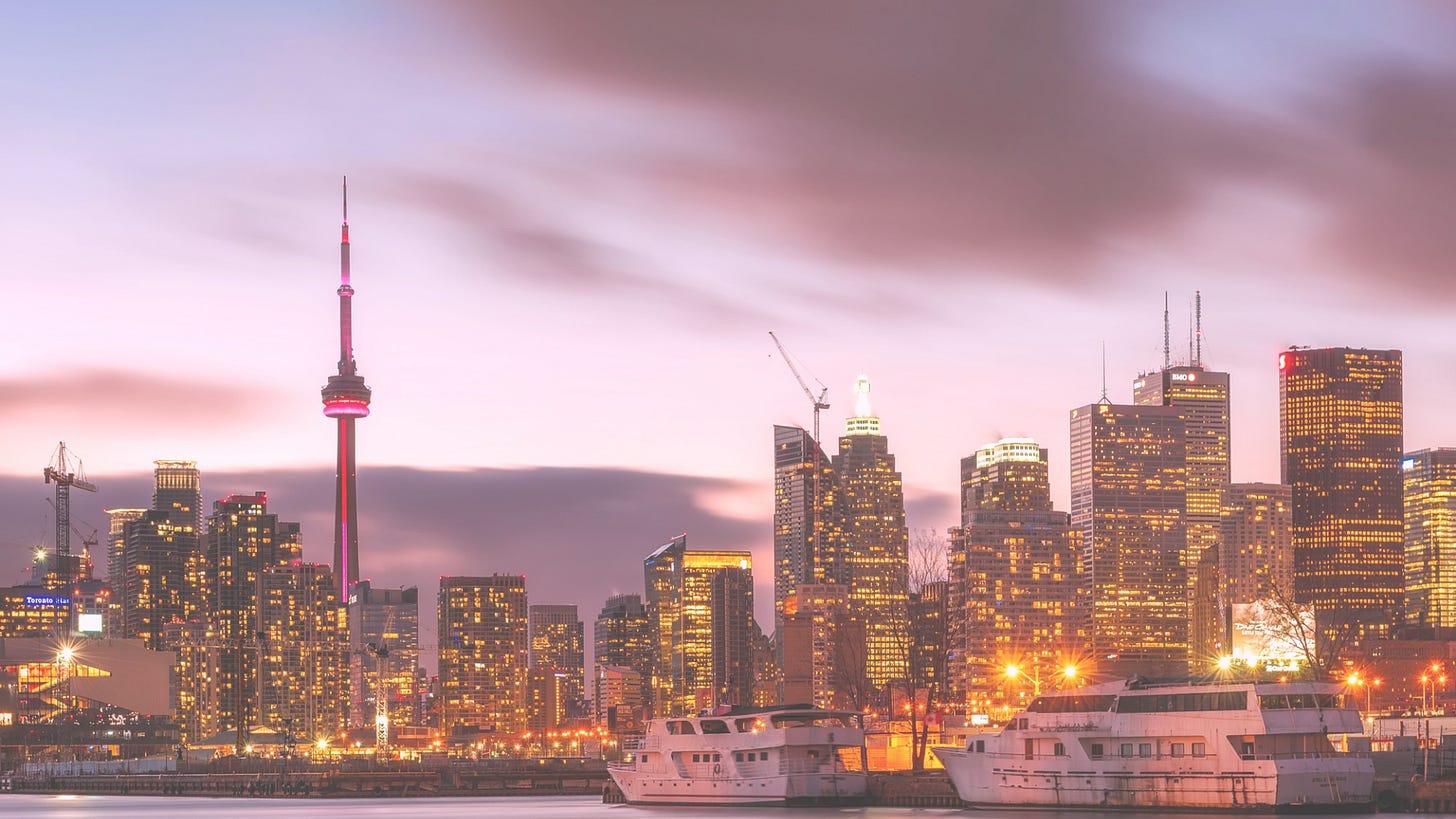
[[783, 755], [1239, 746]]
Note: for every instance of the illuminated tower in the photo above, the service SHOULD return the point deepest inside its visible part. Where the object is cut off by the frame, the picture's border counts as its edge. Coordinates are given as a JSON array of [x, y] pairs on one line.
[[1430, 538], [1341, 428], [878, 542], [1128, 500], [346, 399]]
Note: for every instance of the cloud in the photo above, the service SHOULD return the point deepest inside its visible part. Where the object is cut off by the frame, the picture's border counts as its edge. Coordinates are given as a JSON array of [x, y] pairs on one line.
[[981, 140], [135, 398]]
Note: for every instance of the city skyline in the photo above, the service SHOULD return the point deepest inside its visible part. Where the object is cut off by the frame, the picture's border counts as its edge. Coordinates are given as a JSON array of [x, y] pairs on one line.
[[575, 408]]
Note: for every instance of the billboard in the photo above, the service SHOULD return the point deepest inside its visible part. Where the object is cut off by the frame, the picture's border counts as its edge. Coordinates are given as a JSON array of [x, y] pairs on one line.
[[1272, 634]]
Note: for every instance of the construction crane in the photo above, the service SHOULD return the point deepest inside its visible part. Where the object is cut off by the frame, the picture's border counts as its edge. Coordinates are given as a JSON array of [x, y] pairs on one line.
[[380, 651], [818, 404], [65, 472]]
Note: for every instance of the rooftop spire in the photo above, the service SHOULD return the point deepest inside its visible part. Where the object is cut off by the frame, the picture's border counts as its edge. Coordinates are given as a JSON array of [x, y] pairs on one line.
[[864, 421]]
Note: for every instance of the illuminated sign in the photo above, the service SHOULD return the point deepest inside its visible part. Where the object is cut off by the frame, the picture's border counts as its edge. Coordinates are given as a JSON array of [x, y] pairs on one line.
[[1283, 362], [1266, 632], [90, 623], [46, 601], [1189, 377], [1408, 463]]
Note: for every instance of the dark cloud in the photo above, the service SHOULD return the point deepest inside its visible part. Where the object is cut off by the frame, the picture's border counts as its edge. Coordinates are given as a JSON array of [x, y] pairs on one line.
[[992, 137], [140, 399], [932, 132]]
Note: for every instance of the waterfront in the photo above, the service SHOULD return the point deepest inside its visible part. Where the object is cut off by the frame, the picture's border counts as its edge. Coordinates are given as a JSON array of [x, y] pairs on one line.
[[53, 806]]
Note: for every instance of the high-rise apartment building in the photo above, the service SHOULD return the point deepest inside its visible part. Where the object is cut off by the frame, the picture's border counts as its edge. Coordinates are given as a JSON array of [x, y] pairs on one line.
[[1016, 592], [1341, 429], [484, 655], [1128, 501], [1201, 398], [622, 638], [558, 642], [158, 578], [809, 536], [243, 540], [617, 698], [1009, 475], [823, 647], [303, 658], [178, 492], [1256, 557], [929, 639], [1430, 539], [877, 541], [387, 619], [700, 602]]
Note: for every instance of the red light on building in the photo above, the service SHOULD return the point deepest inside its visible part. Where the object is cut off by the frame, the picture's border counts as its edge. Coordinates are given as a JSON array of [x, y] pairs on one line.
[[1283, 362]]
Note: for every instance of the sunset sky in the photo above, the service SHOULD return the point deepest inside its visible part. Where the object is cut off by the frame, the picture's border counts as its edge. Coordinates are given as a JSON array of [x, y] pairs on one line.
[[574, 224]]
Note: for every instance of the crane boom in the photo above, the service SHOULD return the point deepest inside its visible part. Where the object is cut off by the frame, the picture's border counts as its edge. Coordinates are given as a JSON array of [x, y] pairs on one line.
[[65, 473]]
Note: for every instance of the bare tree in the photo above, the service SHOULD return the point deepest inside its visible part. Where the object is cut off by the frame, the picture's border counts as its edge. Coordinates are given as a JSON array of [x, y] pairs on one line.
[[1321, 639], [924, 657]]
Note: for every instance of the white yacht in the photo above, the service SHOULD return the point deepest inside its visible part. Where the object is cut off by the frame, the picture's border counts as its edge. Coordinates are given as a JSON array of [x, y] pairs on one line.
[[1238, 746], [781, 755]]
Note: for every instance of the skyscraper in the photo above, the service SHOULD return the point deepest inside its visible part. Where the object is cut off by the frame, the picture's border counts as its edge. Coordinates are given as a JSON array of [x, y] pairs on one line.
[[1430, 539], [116, 566], [623, 641], [685, 590], [484, 653], [178, 492], [1201, 398], [1257, 553], [1128, 500], [243, 539], [1341, 427], [558, 643], [1016, 593], [809, 535], [159, 578], [1009, 475], [877, 542], [388, 618], [823, 647], [346, 399], [303, 658]]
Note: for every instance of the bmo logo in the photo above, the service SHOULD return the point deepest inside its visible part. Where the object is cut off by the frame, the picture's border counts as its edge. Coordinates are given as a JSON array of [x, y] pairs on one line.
[[1188, 377]]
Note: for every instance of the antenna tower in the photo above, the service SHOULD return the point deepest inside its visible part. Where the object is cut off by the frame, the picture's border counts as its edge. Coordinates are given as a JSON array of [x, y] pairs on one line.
[[1198, 324], [1167, 359]]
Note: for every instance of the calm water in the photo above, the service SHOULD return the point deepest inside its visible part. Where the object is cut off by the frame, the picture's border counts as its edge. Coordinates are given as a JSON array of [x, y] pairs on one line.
[[583, 807]]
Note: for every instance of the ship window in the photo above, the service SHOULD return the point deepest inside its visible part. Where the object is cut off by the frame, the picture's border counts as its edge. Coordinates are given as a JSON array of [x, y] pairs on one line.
[[813, 754], [1126, 749], [747, 724], [1096, 750], [1196, 701], [714, 726], [1176, 749], [980, 746], [717, 757], [763, 756], [1145, 749], [676, 727], [737, 757], [695, 758], [1059, 749], [1022, 723], [1198, 749]]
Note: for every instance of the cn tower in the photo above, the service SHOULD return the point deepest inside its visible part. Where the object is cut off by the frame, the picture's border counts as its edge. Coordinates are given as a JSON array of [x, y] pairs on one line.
[[346, 399]]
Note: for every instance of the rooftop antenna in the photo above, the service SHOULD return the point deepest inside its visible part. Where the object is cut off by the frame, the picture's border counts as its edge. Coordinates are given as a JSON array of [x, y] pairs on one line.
[[1198, 323], [1104, 373], [1166, 359], [1190, 334]]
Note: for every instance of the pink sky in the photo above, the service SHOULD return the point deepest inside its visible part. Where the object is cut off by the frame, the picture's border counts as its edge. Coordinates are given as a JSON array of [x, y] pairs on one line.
[[574, 225]]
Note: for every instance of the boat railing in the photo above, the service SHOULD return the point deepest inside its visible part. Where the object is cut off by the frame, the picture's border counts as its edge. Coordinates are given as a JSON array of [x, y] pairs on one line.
[[1070, 727], [1305, 755]]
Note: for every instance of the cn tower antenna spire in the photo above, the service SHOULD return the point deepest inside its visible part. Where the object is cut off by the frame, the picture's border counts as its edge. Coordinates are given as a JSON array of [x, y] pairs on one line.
[[346, 399]]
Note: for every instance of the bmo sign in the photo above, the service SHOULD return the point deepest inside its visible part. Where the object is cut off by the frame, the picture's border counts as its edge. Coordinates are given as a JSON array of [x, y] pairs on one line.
[[1187, 377]]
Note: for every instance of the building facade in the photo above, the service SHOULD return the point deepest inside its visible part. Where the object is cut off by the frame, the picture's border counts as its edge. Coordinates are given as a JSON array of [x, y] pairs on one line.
[[484, 655], [1341, 431], [303, 654], [1430, 539], [558, 639], [696, 599], [1128, 501], [809, 536], [387, 619]]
